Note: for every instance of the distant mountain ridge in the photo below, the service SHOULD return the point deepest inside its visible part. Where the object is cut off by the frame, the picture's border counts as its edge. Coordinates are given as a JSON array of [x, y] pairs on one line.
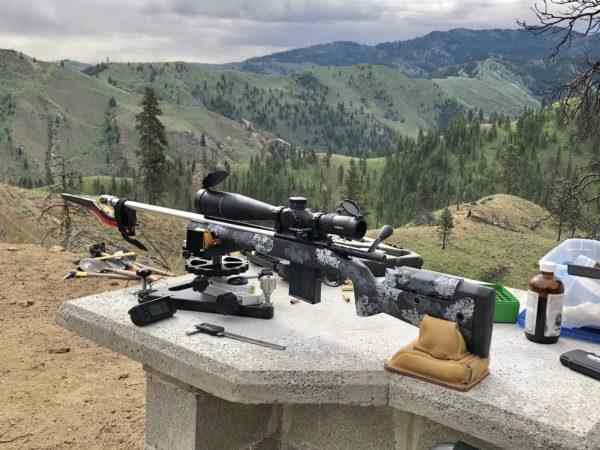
[[426, 54], [440, 54]]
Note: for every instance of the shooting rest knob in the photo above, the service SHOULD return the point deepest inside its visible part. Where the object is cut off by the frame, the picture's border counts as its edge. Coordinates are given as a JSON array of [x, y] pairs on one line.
[[200, 284], [297, 203]]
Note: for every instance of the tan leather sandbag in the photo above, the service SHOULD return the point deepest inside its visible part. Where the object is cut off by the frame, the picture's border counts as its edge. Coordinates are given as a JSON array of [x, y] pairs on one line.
[[440, 356]]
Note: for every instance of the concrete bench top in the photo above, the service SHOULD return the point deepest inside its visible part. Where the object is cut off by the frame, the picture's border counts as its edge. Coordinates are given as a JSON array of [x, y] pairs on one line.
[[333, 356]]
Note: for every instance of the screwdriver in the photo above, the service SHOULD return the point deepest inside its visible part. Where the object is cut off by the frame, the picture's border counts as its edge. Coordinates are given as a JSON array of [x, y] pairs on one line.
[[219, 331]]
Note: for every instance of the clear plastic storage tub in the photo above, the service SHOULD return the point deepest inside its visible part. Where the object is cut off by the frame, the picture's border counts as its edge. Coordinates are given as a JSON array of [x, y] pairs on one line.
[[578, 290]]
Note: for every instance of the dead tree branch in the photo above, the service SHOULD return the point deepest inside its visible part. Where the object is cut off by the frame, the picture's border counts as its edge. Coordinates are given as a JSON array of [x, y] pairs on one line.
[[573, 20]]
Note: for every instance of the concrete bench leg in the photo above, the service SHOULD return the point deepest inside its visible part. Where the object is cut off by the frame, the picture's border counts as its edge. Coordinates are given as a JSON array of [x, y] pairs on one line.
[[180, 417], [343, 427]]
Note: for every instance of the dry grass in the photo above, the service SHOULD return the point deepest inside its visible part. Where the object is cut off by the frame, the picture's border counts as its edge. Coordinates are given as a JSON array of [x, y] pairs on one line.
[[20, 211], [501, 240]]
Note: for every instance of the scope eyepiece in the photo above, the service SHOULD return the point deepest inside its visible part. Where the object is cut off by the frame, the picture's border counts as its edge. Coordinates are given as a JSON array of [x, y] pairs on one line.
[[344, 226]]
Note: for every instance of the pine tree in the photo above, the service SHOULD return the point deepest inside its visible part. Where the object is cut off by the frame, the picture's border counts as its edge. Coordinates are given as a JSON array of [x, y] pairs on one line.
[[204, 160], [352, 186], [445, 226], [111, 134], [49, 178], [340, 174], [509, 159], [152, 146]]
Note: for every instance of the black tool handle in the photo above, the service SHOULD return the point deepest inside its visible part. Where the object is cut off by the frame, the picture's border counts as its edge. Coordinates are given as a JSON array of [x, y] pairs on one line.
[[210, 328]]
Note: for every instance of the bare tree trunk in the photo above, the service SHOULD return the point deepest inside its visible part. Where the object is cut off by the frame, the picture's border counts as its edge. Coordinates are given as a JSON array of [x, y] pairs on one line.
[[66, 226]]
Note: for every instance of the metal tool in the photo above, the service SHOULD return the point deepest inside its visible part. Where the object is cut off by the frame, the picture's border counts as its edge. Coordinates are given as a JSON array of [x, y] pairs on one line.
[[125, 260], [93, 265], [119, 256], [79, 274], [219, 331], [100, 266], [155, 270]]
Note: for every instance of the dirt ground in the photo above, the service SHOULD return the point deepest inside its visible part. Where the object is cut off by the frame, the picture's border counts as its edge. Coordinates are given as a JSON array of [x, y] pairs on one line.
[[58, 391]]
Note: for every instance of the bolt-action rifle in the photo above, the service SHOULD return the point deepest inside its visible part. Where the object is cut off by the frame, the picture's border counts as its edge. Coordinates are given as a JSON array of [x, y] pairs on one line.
[[316, 243]]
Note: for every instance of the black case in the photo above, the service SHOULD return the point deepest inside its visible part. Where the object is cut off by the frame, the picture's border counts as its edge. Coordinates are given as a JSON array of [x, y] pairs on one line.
[[152, 311], [582, 271], [587, 363]]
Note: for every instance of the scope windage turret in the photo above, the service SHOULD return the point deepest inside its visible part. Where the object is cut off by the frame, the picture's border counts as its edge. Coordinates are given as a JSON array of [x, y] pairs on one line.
[[296, 217]]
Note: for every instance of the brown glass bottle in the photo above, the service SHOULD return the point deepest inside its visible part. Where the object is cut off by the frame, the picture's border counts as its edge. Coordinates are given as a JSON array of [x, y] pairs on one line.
[[544, 306]]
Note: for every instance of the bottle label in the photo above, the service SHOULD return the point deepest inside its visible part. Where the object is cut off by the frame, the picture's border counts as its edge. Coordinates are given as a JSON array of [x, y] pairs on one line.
[[531, 314], [553, 320], [553, 315]]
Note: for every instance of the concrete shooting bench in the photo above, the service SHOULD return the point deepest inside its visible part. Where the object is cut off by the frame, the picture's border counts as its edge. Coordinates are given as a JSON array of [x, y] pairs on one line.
[[328, 390]]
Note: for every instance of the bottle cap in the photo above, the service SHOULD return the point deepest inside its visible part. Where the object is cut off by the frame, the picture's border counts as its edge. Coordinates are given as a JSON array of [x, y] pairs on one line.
[[547, 266]]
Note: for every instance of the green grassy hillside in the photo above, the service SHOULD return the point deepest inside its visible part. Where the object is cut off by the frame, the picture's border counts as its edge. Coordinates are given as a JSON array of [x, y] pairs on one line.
[[303, 106], [56, 111], [498, 238], [490, 85]]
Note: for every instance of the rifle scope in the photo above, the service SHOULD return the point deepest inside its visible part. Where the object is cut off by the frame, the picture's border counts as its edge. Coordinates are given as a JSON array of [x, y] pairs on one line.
[[295, 217]]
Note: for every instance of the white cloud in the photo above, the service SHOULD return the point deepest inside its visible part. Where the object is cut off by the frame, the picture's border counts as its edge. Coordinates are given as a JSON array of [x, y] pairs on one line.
[[229, 30], [273, 10]]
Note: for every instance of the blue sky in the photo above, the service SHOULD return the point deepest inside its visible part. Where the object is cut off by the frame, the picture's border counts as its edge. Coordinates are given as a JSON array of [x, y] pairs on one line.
[[229, 30]]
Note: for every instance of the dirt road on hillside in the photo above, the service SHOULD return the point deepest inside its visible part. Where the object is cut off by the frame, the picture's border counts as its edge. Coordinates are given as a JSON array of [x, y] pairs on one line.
[[58, 391]]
